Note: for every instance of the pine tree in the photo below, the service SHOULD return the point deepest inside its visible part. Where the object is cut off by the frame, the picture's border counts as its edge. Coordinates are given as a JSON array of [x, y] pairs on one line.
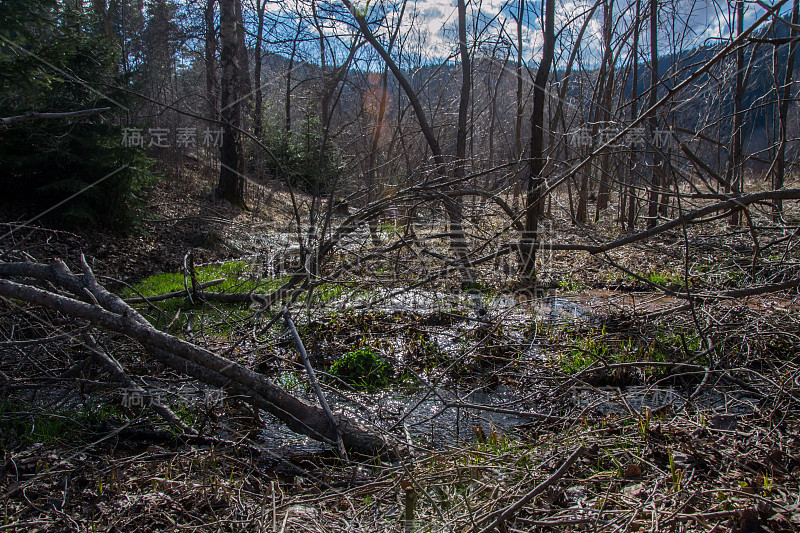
[[54, 58]]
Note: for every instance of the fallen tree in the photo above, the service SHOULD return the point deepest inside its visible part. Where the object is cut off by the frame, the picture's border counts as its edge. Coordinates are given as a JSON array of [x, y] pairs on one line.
[[87, 300]]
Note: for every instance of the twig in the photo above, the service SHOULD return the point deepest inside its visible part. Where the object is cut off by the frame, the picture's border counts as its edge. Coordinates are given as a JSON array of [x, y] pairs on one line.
[[503, 515], [313, 378]]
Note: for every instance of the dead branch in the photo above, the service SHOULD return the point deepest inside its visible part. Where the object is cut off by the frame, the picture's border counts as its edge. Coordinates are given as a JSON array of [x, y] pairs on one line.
[[503, 515], [30, 115], [110, 312], [732, 204], [118, 373]]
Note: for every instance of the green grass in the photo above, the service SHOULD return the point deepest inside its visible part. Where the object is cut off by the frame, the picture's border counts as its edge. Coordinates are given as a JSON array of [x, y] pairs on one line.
[[670, 280], [326, 292], [23, 423], [239, 276], [387, 227], [585, 348], [569, 285], [583, 354]]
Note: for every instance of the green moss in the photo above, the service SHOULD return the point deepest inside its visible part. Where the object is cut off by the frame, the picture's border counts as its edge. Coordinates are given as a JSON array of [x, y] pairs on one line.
[[239, 276]]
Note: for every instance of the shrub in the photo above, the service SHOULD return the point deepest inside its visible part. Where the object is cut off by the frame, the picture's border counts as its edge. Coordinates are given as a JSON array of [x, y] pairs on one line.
[[362, 368]]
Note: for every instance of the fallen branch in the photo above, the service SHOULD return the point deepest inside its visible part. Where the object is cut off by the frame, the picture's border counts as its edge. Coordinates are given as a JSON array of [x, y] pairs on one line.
[[504, 514], [113, 367], [110, 312], [313, 379], [30, 115]]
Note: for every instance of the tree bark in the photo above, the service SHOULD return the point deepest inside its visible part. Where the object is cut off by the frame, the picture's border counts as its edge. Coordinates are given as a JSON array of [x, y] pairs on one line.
[[257, 58], [633, 199], [231, 174], [655, 180], [210, 59], [733, 173], [245, 86], [520, 106], [288, 96], [785, 95], [105, 16], [535, 200]]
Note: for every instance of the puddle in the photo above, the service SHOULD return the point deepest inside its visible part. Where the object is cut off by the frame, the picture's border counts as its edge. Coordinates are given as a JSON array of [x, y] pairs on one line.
[[548, 306], [636, 398], [424, 414]]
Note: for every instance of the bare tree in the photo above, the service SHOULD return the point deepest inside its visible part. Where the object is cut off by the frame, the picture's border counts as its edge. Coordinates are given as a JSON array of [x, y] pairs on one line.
[[784, 96], [535, 200], [231, 181], [733, 172], [520, 105], [606, 84], [655, 181], [632, 181], [452, 206]]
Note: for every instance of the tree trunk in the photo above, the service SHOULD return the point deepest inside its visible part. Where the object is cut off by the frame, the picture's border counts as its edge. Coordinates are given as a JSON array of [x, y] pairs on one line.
[[733, 173], [632, 176], [558, 117], [231, 175], [288, 95], [257, 57], [245, 87], [785, 95], [608, 85], [655, 180], [105, 16], [210, 59], [454, 207], [520, 106], [535, 202]]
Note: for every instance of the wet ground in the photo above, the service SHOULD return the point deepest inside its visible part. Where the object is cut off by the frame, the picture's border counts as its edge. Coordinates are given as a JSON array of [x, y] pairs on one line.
[[437, 412]]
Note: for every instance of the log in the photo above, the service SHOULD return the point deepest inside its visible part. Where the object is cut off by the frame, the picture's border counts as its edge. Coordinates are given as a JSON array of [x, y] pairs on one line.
[[91, 302]]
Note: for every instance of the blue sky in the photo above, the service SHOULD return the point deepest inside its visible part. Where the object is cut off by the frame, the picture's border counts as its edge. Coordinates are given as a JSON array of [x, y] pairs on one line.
[[696, 22]]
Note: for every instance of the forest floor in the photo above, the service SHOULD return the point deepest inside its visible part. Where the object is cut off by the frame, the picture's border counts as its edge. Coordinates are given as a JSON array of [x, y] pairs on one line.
[[593, 406]]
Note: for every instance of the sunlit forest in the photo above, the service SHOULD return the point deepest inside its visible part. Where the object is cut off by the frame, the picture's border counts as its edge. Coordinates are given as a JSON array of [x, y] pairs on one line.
[[400, 266]]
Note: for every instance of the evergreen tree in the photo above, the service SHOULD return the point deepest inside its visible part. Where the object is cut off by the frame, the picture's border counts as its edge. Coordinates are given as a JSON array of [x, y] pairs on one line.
[[54, 58]]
